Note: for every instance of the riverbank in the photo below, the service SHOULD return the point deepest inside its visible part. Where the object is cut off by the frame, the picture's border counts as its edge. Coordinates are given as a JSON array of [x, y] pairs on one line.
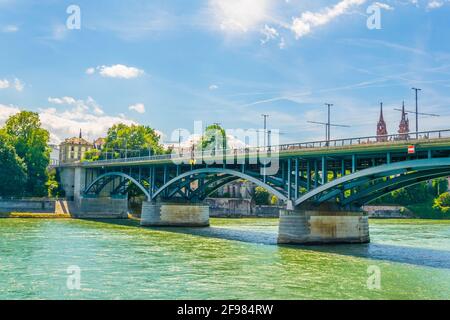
[[30, 215], [426, 211]]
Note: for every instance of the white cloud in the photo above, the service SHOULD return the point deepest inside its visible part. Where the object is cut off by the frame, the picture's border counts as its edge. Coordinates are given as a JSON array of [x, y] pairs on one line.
[[10, 29], [435, 4], [238, 16], [90, 70], [384, 6], [138, 107], [213, 87], [304, 24], [7, 111], [282, 44], [269, 33], [80, 105], [63, 100], [14, 84], [18, 85], [117, 71], [67, 123], [4, 84]]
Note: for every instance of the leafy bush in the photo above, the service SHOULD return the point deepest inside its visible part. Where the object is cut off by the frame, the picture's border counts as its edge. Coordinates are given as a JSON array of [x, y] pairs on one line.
[[442, 203], [274, 200], [261, 196]]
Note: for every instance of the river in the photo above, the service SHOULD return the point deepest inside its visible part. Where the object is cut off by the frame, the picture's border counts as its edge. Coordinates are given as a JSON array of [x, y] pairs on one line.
[[234, 259]]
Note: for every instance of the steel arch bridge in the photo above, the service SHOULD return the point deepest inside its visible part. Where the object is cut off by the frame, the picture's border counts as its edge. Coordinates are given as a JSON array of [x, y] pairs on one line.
[[346, 176]]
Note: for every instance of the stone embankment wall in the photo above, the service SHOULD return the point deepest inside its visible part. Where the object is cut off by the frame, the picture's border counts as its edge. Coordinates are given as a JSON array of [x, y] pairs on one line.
[[235, 207], [32, 206], [386, 212], [83, 208]]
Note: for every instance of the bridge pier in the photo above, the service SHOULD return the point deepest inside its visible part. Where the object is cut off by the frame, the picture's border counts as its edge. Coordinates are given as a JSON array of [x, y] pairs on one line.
[[174, 215], [322, 225]]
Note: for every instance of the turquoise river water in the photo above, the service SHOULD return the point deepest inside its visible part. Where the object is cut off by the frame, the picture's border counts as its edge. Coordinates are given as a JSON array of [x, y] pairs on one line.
[[234, 259]]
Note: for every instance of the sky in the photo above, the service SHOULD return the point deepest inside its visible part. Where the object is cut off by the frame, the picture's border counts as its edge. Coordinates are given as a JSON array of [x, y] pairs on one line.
[[167, 64]]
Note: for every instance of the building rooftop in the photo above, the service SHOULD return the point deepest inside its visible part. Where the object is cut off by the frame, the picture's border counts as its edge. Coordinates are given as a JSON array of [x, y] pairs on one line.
[[77, 140]]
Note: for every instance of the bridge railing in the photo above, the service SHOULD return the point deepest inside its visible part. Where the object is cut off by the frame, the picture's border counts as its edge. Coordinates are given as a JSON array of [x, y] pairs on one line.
[[187, 155], [410, 137]]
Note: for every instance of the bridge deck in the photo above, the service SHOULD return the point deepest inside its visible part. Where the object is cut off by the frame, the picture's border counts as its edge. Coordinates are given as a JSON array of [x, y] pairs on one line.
[[287, 151]]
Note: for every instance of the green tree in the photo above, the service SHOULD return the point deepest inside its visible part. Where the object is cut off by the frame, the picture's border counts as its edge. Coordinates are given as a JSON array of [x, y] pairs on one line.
[[214, 138], [12, 170], [30, 141], [92, 155], [132, 138], [53, 184], [262, 196], [442, 203], [439, 186]]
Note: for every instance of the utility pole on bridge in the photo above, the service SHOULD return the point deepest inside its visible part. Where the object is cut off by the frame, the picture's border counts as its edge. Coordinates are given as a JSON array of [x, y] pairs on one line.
[[265, 116], [417, 113], [328, 124]]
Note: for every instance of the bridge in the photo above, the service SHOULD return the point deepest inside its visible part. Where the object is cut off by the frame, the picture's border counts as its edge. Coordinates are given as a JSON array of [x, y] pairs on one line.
[[324, 184]]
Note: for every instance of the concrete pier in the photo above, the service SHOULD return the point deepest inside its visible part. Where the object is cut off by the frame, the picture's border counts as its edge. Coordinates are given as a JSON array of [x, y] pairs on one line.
[[101, 208], [174, 215], [323, 227]]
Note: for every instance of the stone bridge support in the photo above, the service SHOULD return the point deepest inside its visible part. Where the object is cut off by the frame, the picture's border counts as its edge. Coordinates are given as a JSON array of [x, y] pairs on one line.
[[326, 224], [174, 215]]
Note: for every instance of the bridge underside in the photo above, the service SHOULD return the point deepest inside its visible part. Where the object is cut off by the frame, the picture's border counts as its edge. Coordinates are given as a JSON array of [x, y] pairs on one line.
[[298, 189]]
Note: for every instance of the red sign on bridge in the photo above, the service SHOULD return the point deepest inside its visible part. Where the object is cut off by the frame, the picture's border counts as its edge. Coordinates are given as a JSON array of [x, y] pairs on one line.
[[411, 149]]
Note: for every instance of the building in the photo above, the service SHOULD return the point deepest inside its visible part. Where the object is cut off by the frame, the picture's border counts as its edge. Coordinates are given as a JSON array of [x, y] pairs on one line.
[[73, 149], [404, 125], [99, 144], [381, 127], [54, 154], [238, 189]]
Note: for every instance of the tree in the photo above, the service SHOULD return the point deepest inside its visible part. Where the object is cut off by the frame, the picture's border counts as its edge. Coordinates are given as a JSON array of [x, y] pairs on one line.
[[54, 184], [439, 186], [92, 155], [214, 138], [442, 203], [30, 141], [130, 139], [261, 196], [12, 170]]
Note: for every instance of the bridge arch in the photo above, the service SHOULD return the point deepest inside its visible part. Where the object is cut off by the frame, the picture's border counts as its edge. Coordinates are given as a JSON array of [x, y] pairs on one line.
[[104, 177], [222, 171], [405, 174]]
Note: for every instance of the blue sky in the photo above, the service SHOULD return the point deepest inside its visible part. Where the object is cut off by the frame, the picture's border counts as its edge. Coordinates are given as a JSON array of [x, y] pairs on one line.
[[169, 63]]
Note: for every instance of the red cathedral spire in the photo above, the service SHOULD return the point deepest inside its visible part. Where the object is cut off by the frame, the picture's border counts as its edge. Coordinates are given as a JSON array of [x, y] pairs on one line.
[[381, 127], [404, 125]]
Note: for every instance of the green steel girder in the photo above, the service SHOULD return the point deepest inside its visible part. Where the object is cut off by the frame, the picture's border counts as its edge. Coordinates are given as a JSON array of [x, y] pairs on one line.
[[406, 184], [113, 175], [392, 183], [230, 172], [442, 164]]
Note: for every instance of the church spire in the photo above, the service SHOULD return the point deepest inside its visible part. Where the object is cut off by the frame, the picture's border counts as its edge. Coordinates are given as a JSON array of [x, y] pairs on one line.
[[381, 127], [81, 135], [404, 124]]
